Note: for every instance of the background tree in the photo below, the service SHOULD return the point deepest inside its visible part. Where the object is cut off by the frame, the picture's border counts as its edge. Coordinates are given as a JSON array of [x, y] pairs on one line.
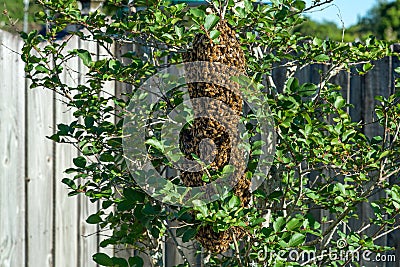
[[382, 20], [323, 30]]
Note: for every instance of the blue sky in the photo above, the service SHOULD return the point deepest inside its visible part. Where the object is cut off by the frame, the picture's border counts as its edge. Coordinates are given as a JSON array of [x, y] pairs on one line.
[[350, 10]]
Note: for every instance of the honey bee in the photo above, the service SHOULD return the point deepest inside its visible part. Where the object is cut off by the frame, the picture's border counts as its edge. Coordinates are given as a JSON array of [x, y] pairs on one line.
[[228, 52]]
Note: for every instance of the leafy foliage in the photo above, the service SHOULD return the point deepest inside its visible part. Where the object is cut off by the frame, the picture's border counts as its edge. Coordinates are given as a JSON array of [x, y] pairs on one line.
[[323, 160]]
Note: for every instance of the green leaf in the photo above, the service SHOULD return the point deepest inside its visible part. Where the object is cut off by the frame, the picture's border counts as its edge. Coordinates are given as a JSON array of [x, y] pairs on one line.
[[136, 261], [241, 12], [282, 243], [317, 41], [257, 221], [134, 195], [341, 188], [248, 6], [293, 224], [300, 5], [367, 66], [292, 84], [106, 204], [103, 259], [275, 195], [155, 143], [54, 137], [196, 12], [70, 183], [278, 224], [155, 232], [250, 36], [106, 157], [119, 262], [63, 129], [149, 209], [211, 21], [79, 162], [296, 239], [384, 154], [339, 102], [234, 202], [321, 58], [189, 235], [125, 205], [85, 56], [179, 31], [202, 208], [228, 169], [214, 34], [308, 129], [94, 219], [42, 69], [89, 122], [308, 89], [168, 36], [347, 133], [89, 150], [181, 230]]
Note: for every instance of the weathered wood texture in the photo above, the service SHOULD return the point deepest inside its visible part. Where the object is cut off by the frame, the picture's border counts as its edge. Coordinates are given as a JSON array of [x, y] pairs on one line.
[[89, 239], [39, 225], [12, 154], [67, 210]]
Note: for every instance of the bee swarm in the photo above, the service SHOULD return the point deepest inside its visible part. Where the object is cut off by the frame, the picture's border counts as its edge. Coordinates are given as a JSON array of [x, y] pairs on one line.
[[228, 52]]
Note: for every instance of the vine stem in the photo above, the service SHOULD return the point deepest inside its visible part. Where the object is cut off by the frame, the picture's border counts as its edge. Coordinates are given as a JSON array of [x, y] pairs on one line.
[[178, 247], [237, 249]]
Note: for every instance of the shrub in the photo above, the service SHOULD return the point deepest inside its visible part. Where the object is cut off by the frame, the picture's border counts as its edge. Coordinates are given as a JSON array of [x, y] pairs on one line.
[[322, 159]]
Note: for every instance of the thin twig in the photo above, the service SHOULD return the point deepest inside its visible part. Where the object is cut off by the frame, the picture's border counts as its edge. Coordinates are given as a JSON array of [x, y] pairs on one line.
[[237, 254], [178, 247]]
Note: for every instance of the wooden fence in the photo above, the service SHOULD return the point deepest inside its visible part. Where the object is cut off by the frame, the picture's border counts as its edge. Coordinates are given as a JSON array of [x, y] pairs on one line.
[[39, 225]]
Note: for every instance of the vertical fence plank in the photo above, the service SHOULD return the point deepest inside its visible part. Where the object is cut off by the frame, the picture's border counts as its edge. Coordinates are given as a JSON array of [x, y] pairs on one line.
[[279, 77], [377, 82], [120, 89], [356, 94], [89, 233], [394, 237], [173, 256], [343, 80], [108, 90], [40, 175], [88, 244], [363, 91], [66, 243], [12, 148]]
